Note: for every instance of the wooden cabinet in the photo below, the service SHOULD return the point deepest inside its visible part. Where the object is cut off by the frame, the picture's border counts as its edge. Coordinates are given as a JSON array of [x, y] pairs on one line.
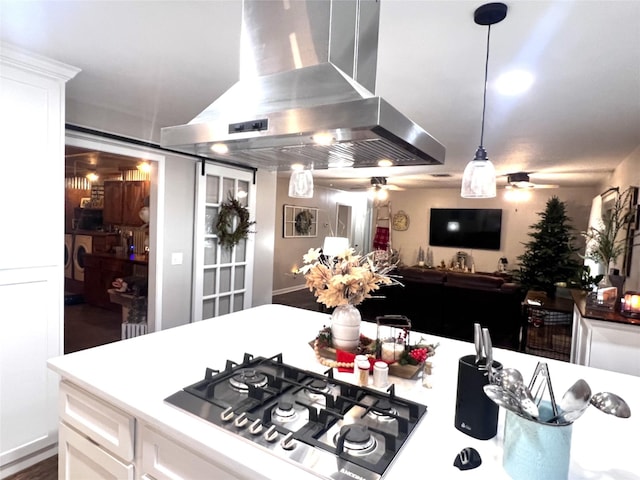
[[123, 201], [112, 208], [99, 273], [104, 243]]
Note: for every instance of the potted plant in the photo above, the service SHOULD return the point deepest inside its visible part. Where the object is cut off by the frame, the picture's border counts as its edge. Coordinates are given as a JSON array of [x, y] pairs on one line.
[[604, 244]]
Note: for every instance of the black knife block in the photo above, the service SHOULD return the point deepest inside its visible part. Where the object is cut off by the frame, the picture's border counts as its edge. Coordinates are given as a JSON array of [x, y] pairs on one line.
[[476, 415]]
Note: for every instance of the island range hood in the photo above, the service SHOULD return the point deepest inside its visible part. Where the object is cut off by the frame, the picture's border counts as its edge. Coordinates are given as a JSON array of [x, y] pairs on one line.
[[307, 70]]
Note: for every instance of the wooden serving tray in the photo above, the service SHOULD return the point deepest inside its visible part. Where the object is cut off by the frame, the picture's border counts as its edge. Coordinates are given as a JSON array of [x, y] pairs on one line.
[[395, 369]]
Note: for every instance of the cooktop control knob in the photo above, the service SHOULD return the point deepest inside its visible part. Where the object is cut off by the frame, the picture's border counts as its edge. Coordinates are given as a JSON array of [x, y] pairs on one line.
[[227, 414], [271, 434], [242, 420], [288, 442], [256, 427]]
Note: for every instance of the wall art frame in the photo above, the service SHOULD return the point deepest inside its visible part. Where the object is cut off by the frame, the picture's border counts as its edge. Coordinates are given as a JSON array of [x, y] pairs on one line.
[[299, 221]]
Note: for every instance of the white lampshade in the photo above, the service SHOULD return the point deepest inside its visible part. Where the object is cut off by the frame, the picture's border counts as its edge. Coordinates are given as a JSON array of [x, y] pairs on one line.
[[301, 184], [479, 179], [333, 246]]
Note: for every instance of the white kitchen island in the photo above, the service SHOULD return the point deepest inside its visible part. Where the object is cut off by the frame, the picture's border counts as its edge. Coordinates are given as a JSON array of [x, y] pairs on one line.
[[113, 395]]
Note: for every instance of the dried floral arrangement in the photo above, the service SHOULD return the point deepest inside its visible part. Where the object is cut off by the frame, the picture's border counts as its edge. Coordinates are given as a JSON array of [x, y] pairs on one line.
[[345, 278]]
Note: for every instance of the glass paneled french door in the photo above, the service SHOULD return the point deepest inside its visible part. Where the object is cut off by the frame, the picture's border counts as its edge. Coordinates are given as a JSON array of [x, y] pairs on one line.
[[223, 276]]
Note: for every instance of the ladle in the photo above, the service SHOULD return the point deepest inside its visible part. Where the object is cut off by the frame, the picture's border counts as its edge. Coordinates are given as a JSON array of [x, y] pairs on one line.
[[573, 404], [611, 403]]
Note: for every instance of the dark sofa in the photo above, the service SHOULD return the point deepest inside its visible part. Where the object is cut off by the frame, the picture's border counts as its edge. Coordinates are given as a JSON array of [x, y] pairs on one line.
[[447, 304]]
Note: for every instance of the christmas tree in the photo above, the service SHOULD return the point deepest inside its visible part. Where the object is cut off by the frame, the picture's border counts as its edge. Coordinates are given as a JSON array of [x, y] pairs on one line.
[[550, 257]]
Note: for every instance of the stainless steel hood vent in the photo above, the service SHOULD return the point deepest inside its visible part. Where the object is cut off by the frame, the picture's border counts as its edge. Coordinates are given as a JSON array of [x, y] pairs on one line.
[[307, 72]]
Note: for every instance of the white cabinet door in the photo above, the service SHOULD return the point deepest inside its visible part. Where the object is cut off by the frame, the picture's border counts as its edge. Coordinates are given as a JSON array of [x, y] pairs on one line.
[[80, 458], [31, 252], [108, 426], [164, 459], [615, 347]]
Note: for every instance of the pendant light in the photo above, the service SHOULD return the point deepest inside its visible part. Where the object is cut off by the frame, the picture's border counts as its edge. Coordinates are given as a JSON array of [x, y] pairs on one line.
[[300, 182], [479, 178]]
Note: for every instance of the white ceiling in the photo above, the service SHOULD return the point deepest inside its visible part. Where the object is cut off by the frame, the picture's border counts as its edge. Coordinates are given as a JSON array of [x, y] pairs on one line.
[[163, 62]]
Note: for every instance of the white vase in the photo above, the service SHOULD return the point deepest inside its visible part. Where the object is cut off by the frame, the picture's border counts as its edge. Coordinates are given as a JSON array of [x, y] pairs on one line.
[[345, 328]]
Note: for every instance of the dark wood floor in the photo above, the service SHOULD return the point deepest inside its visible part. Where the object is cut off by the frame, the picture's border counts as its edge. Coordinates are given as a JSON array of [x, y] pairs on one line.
[[86, 326], [44, 470], [299, 298]]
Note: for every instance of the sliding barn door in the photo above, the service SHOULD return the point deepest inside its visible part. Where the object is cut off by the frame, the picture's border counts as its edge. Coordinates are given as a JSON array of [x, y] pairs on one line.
[[223, 276]]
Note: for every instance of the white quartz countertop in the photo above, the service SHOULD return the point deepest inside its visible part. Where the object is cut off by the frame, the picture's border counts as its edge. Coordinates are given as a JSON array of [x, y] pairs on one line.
[[137, 374]]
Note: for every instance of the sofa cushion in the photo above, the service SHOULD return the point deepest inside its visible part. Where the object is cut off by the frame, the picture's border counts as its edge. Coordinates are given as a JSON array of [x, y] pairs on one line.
[[422, 275], [510, 287]]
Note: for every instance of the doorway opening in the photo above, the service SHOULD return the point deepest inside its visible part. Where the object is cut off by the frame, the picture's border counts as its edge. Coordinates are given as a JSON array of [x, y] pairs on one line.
[[111, 226]]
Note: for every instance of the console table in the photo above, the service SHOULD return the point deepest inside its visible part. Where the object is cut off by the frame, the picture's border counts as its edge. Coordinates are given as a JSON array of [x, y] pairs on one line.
[[604, 340]]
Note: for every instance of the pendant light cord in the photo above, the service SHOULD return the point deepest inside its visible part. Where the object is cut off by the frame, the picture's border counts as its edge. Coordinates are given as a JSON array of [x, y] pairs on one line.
[[484, 97]]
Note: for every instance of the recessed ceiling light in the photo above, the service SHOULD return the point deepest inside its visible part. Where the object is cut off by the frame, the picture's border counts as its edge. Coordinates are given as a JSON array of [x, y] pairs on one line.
[[385, 162], [323, 138], [296, 167], [514, 82], [517, 195], [220, 148], [339, 162]]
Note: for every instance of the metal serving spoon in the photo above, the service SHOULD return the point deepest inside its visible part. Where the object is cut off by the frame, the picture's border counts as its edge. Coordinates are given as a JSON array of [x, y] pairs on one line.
[[611, 403], [512, 381], [573, 404], [503, 398]]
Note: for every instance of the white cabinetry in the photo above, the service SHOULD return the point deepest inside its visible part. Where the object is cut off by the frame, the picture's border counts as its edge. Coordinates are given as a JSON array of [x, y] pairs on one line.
[[97, 443], [605, 344], [32, 258], [81, 458], [164, 459], [96, 439]]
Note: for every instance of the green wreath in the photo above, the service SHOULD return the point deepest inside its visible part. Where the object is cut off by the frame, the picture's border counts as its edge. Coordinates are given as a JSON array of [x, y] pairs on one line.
[[304, 221], [227, 235]]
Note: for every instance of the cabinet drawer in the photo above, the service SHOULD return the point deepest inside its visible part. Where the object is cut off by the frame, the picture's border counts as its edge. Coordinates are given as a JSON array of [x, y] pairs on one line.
[[164, 459], [108, 426], [81, 458]]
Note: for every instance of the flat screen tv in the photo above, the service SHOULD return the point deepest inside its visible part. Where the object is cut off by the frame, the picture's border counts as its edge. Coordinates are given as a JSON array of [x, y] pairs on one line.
[[477, 228]]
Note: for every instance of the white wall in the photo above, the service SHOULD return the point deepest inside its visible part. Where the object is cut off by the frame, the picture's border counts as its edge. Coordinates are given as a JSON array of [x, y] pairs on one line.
[[265, 229], [289, 251], [177, 232], [625, 175], [516, 220]]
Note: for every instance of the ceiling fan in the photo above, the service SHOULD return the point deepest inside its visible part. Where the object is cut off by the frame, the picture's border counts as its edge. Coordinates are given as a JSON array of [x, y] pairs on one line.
[[378, 187], [522, 181]]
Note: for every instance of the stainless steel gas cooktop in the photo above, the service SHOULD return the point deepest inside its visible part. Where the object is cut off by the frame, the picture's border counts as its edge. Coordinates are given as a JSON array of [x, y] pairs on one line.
[[331, 428]]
